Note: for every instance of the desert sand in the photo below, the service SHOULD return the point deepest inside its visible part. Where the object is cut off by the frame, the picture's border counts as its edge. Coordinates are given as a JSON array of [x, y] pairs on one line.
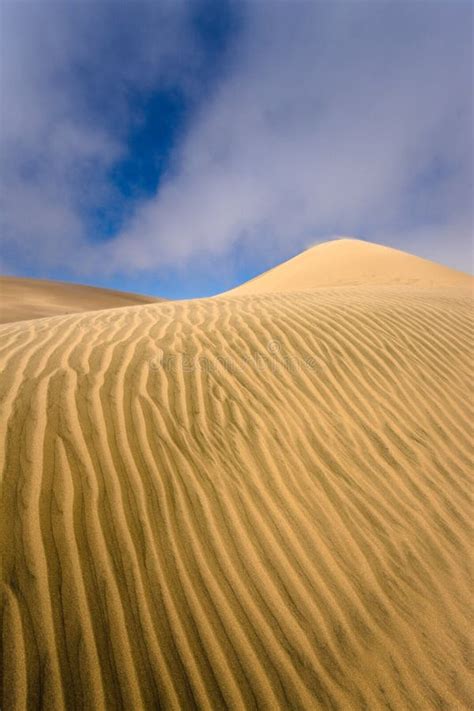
[[255, 501], [22, 299], [352, 262]]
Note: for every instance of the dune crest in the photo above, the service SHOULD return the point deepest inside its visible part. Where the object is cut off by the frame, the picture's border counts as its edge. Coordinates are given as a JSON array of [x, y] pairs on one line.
[[256, 501]]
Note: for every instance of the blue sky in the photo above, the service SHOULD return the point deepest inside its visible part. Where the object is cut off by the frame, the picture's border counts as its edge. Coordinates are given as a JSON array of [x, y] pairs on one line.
[[179, 148]]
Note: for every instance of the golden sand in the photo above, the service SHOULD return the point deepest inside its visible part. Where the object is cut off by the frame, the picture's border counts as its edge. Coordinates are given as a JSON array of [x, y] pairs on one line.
[[255, 501]]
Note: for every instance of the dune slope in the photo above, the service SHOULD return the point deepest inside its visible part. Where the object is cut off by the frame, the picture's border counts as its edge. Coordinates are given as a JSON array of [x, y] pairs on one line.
[[23, 299], [251, 502]]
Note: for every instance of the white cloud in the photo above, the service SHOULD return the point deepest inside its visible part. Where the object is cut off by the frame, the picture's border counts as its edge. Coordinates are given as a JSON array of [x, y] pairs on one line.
[[350, 117], [66, 70]]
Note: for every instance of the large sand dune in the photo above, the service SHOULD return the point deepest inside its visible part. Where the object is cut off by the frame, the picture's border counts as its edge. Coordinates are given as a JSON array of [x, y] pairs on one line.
[[257, 501], [24, 299], [353, 262]]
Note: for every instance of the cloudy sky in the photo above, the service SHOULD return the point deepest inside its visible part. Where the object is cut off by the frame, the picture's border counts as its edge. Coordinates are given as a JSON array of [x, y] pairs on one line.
[[178, 148]]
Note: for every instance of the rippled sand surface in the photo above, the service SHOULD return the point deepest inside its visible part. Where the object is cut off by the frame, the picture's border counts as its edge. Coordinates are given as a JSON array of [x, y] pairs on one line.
[[255, 501]]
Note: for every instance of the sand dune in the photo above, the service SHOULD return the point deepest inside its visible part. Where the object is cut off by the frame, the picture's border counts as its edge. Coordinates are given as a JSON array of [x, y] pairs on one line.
[[353, 262], [24, 299], [257, 501]]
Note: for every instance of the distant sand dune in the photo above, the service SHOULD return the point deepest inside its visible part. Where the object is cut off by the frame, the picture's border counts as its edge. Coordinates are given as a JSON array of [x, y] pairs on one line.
[[353, 262], [24, 299], [259, 501]]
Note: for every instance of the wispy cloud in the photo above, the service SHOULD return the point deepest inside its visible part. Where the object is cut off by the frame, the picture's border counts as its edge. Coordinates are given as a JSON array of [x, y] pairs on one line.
[[342, 117], [68, 71]]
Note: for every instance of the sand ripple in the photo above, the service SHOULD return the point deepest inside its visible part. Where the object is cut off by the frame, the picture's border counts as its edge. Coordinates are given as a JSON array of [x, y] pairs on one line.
[[252, 502]]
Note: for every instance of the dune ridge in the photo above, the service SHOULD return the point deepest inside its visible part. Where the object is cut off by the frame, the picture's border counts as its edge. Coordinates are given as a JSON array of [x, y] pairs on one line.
[[256, 501]]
